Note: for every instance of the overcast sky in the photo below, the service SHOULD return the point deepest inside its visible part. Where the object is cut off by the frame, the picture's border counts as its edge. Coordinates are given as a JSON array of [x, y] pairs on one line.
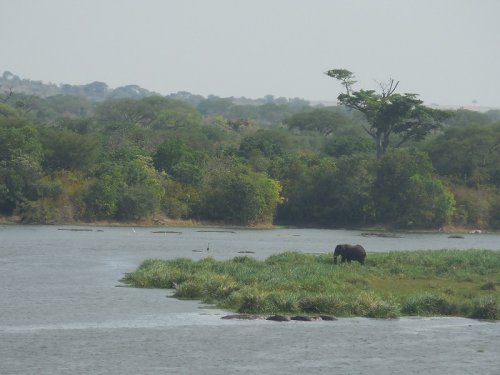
[[447, 51]]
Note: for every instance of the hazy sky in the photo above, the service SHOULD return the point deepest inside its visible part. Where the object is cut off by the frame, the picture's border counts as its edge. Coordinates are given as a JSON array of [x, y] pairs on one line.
[[448, 51]]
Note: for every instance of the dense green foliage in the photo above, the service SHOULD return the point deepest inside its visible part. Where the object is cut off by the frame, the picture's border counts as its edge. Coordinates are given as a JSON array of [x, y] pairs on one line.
[[402, 175], [90, 153], [445, 282]]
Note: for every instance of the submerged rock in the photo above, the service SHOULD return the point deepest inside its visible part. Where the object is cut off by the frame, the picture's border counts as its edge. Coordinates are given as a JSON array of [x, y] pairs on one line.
[[243, 317], [305, 318], [279, 318], [327, 317], [166, 232], [378, 234]]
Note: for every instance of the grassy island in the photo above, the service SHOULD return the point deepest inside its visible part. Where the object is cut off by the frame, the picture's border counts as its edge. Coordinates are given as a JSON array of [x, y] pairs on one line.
[[422, 283]]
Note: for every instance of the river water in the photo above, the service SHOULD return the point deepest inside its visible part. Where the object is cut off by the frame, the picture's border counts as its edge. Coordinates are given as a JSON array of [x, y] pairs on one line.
[[62, 310]]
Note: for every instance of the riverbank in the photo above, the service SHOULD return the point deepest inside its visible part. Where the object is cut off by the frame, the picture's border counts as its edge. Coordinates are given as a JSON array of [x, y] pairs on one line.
[[150, 222], [420, 283], [381, 231]]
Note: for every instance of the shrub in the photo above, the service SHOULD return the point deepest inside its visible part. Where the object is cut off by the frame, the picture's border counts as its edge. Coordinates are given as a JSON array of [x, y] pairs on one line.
[[426, 304], [370, 305], [485, 308], [253, 302], [218, 287], [283, 302], [38, 212], [156, 273], [190, 289], [323, 304]]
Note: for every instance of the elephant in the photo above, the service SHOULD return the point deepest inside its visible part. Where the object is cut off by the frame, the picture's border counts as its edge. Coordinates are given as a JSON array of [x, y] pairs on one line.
[[349, 252]]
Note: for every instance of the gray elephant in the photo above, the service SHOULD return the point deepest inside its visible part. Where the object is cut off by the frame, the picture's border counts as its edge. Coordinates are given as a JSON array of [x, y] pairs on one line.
[[349, 252]]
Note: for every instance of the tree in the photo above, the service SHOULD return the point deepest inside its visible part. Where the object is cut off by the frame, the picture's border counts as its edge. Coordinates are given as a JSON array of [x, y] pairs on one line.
[[125, 111], [68, 150], [102, 198], [388, 113], [66, 106], [430, 204], [127, 190], [241, 196], [214, 106], [350, 199], [468, 154], [180, 161], [348, 144], [327, 192], [322, 120], [268, 143], [307, 179], [143, 190], [20, 163], [406, 193], [176, 115], [180, 199]]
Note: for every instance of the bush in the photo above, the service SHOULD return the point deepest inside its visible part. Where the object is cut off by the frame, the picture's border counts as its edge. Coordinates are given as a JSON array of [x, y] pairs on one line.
[[485, 308], [155, 273], [38, 212], [190, 289], [253, 302], [426, 304], [370, 305], [240, 196], [283, 302], [218, 287], [323, 304]]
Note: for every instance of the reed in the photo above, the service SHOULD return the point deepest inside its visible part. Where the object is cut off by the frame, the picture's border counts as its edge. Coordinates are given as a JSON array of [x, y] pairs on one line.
[[421, 283]]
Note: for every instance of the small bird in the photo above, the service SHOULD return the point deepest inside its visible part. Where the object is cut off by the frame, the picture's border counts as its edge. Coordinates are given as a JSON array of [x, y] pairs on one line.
[[208, 247]]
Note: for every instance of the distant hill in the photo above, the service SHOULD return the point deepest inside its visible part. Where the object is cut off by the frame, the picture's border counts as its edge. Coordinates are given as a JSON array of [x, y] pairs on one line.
[[100, 91], [96, 91], [473, 107]]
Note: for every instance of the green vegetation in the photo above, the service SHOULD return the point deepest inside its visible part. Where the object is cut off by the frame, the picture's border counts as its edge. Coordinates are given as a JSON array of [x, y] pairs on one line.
[[387, 113], [89, 153], [423, 283]]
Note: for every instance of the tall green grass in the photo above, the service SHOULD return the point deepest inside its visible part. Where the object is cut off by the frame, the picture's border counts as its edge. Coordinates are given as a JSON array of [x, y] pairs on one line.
[[423, 283]]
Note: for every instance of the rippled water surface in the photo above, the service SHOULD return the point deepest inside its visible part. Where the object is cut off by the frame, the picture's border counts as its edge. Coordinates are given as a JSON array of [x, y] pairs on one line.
[[62, 310]]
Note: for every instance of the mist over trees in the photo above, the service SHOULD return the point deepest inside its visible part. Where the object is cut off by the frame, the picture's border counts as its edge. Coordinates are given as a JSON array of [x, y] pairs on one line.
[[90, 153]]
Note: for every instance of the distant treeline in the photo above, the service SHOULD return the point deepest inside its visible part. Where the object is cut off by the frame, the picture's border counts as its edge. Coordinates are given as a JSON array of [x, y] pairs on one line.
[[71, 156]]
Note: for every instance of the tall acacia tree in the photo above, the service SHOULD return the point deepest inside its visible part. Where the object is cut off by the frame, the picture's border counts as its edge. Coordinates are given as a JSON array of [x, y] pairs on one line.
[[388, 113]]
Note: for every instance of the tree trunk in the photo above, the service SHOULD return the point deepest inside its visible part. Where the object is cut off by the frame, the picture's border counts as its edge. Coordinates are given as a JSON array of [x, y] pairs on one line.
[[382, 140]]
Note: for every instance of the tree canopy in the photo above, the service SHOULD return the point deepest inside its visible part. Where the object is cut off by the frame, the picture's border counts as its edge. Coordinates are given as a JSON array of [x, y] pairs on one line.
[[388, 114], [379, 158]]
